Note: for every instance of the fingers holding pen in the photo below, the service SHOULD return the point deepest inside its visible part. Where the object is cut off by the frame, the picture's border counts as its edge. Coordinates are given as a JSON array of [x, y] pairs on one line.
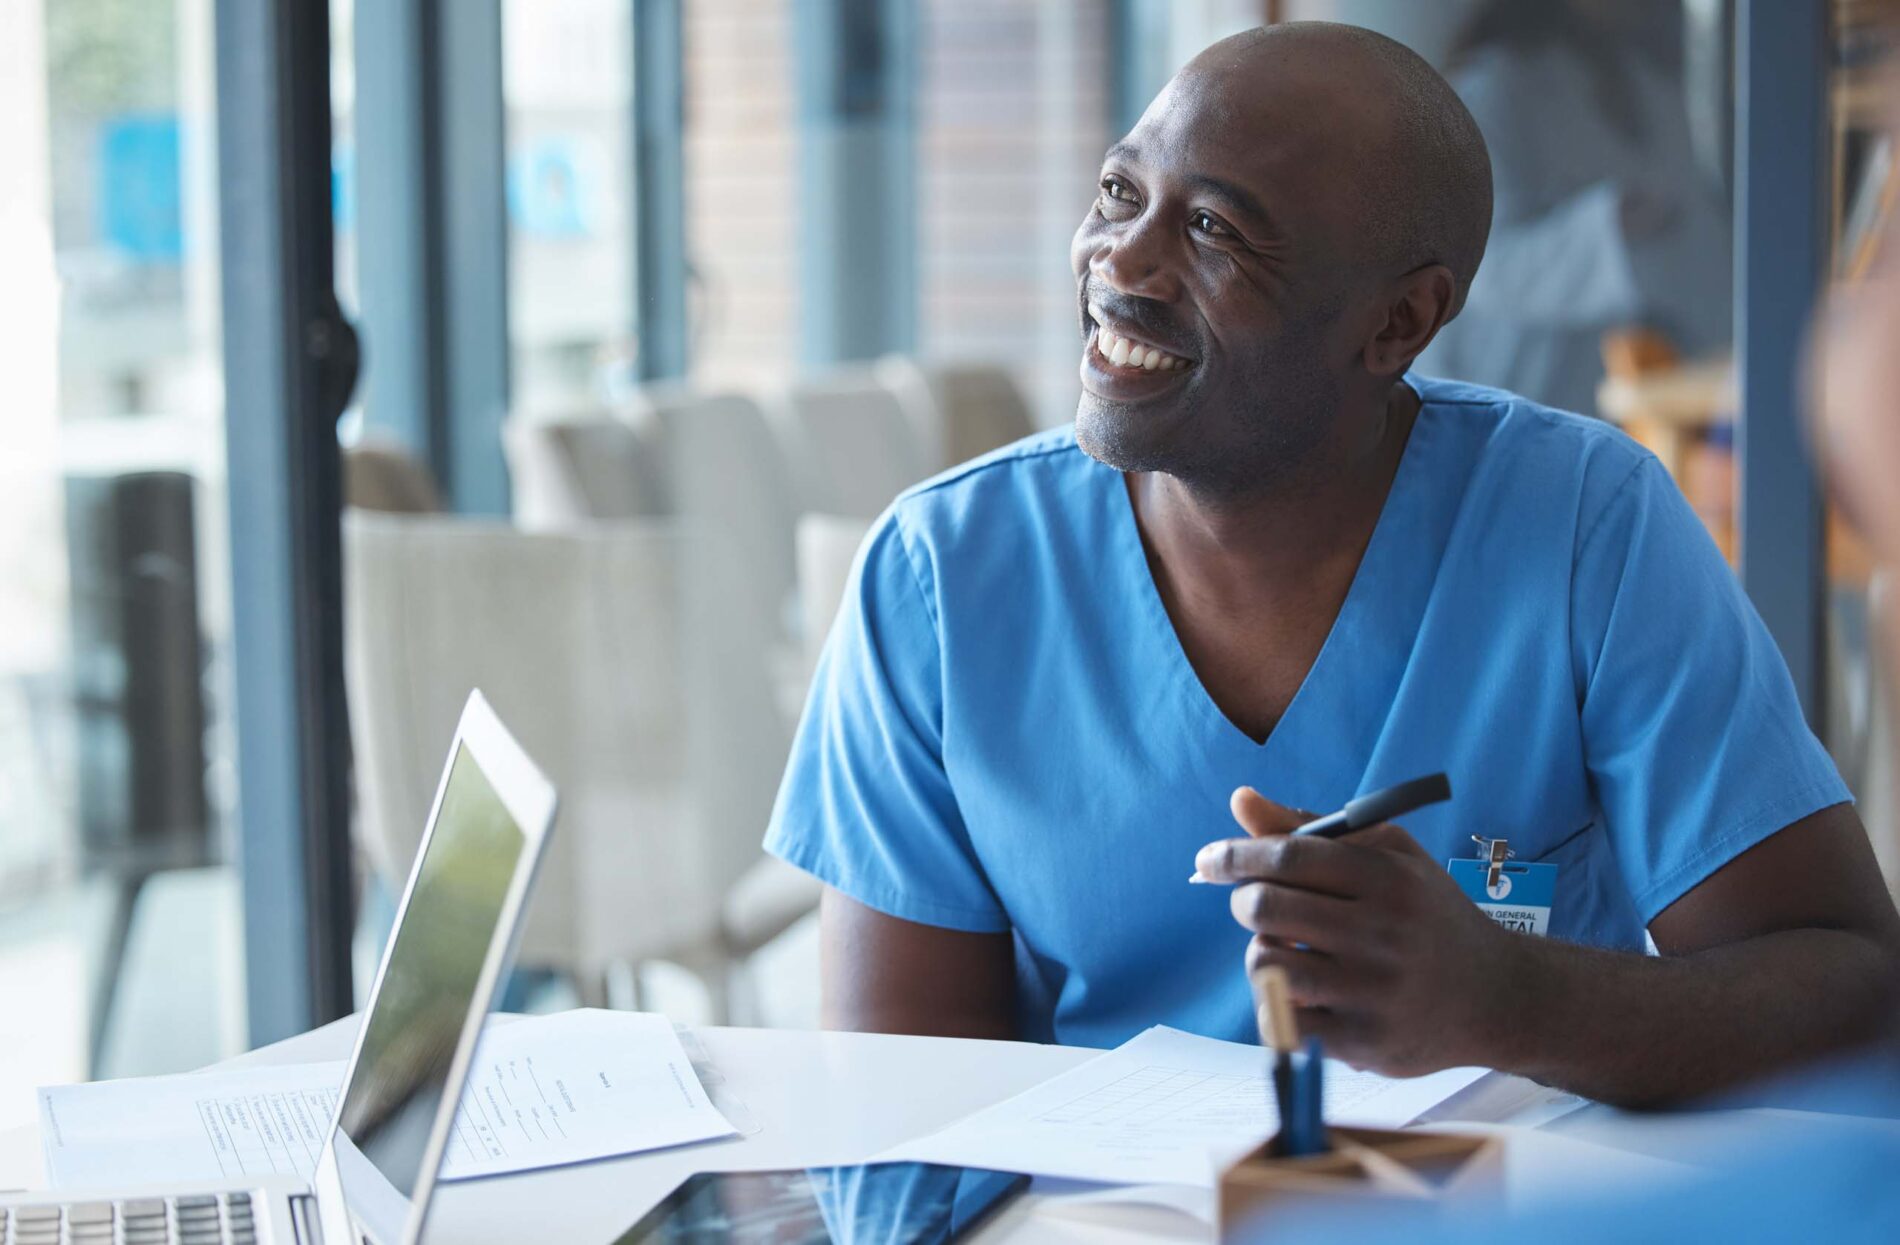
[[1314, 979], [1291, 915], [1261, 817], [1310, 863]]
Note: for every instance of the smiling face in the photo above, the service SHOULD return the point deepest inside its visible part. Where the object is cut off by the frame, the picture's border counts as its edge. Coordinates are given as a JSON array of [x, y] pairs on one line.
[[1231, 271]]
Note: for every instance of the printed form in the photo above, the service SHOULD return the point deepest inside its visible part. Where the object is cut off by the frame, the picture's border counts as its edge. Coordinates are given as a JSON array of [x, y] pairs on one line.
[[1165, 1107], [542, 1091]]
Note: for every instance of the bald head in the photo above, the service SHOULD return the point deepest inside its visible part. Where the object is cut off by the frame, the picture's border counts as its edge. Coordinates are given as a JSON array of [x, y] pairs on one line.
[[1420, 176], [1271, 246]]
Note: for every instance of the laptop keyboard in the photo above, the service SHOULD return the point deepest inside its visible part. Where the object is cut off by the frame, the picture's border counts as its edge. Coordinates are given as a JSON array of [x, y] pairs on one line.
[[204, 1219]]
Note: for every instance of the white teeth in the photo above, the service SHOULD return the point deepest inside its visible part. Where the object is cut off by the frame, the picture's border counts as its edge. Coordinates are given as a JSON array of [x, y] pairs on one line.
[[1124, 353]]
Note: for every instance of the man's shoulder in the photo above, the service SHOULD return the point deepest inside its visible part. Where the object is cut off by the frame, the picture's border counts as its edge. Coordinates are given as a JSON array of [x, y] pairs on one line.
[[1538, 454], [1518, 416], [1017, 479], [1040, 452]]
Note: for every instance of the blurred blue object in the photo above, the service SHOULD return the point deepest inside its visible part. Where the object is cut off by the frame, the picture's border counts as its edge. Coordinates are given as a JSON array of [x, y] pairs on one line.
[[547, 191], [1815, 1180], [343, 187], [138, 197]]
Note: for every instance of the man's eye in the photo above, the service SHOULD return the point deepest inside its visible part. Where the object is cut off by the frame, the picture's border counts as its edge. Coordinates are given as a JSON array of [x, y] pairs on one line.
[[1207, 222], [1118, 190]]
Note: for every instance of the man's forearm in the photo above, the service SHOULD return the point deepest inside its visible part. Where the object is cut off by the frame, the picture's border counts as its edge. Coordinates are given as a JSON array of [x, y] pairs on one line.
[[1643, 1031]]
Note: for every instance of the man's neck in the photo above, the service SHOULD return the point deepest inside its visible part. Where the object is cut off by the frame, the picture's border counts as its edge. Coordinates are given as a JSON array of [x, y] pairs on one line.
[[1285, 533]]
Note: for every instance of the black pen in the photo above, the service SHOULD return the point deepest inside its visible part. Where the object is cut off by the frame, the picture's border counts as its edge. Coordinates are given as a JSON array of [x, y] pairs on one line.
[[1370, 810]]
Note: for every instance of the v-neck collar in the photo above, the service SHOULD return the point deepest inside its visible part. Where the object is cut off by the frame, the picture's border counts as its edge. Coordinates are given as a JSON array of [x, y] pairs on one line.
[[1345, 657]]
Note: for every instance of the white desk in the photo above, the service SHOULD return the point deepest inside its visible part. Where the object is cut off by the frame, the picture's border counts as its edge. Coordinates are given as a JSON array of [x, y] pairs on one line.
[[835, 1098]]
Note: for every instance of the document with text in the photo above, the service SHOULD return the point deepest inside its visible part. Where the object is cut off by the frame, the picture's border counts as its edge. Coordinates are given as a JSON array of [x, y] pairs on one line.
[[542, 1092], [1165, 1107]]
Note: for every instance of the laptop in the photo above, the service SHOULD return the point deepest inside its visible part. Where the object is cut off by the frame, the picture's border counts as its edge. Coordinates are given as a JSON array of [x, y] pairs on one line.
[[453, 939]]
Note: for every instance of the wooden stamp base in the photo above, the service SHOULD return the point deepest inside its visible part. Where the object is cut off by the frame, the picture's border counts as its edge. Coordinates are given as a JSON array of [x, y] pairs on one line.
[[1366, 1165]]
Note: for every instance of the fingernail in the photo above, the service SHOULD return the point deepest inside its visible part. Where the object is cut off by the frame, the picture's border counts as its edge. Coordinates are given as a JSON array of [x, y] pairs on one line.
[[1196, 878]]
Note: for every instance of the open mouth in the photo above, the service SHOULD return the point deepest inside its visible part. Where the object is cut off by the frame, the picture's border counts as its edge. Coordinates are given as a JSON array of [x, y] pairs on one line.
[[1114, 349]]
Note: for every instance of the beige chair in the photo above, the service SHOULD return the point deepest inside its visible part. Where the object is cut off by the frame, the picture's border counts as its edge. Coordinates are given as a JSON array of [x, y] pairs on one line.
[[983, 409], [577, 640], [827, 548], [731, 486], [581, 468], [852, 443], [961, 410], [736, 510]]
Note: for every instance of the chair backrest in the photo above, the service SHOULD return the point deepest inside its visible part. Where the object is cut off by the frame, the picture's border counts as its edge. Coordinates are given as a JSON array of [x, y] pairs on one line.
[[736, 510], [731, 488], [851, 443], [575, 638], [827, 547], [960, 410], [580, 469], [981, 406], [909, 383]]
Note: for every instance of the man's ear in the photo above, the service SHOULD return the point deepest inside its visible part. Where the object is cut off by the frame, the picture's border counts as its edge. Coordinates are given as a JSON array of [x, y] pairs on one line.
[[1419, 305]]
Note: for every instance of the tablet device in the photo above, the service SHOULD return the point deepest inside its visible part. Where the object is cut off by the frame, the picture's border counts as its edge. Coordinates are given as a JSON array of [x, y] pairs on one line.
[[888, 1203]]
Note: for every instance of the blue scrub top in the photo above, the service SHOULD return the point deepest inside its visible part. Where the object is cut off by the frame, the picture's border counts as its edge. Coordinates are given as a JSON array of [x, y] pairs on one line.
[[1004, 733]]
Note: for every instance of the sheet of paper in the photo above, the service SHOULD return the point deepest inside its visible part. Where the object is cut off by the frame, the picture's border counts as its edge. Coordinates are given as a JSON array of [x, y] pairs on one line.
[[544, 1091], [1165, 1107]]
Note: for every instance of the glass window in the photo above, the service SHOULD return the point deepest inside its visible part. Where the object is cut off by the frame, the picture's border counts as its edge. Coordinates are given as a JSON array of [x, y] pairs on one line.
[[567, 85], [1012, 123], [118, 911]]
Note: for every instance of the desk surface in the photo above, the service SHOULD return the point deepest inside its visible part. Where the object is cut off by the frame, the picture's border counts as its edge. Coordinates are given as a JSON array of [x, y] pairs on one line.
[[834, 1098]]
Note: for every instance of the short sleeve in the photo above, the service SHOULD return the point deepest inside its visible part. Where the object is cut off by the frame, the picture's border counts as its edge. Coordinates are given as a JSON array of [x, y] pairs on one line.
[[1693, 735], [866, 806]]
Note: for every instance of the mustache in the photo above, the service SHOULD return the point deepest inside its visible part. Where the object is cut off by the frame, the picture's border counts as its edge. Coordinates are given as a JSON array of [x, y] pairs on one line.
[[1143, 316]]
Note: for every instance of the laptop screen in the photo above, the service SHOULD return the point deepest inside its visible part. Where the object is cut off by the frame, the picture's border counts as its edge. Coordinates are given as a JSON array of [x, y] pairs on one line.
[[432, 973]]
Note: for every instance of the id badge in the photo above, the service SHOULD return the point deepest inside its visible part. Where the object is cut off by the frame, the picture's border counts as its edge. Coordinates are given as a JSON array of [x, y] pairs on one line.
[[1519, 901]]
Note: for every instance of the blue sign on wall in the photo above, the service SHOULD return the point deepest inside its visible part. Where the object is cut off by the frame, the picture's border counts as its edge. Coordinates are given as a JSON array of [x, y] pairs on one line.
[[548, 194], [139, 204]]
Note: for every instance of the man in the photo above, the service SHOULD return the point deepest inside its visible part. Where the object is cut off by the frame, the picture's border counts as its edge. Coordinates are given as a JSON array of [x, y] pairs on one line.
[[1269, 560]]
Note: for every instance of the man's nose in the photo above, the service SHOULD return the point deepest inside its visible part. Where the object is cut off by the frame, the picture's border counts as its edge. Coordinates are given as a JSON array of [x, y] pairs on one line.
[[1137, 260]]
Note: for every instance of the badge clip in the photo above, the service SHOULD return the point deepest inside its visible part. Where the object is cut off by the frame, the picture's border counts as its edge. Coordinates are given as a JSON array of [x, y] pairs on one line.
[[1494, 852]]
